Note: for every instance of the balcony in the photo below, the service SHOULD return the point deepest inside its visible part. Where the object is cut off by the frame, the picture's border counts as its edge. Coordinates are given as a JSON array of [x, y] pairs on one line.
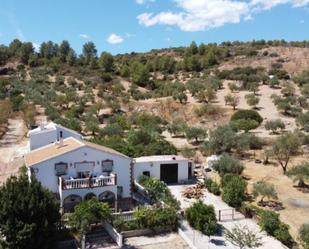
[[82, 183]]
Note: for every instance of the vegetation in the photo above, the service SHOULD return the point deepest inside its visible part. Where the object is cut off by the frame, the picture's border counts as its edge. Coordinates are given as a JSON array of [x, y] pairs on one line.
[[202, 217], [156, 219], [28, 214], [242, 237], [274, 125], [247, 115], [227, 164], [87, 213], [285, 146], [300, 173], [234, 190], [212, 186], [270, 223], [304, 235], [264, 189], [159, 192]]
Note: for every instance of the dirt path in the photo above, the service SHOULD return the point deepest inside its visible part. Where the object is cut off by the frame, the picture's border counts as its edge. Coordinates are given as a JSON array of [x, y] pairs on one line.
[[266, 107], [12, 145]]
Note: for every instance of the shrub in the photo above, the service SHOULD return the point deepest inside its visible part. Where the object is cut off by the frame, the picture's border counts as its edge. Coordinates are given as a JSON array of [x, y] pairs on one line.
[[274, 125], [212, 186], [215, 188], [158, 191], [244, 124], [264, 189], [247, 114], [222, 139], [282, 234], [202, 217], [234, 191], [269, 221], [156, 219], [227, 164], [304, 235]]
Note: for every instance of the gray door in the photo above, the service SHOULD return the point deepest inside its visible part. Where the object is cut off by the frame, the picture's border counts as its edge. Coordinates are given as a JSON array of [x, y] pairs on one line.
[[169, 173]]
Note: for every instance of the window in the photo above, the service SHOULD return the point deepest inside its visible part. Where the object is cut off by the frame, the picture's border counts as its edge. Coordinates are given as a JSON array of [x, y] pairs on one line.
[[146, 173], [61, 168], [107, 165]]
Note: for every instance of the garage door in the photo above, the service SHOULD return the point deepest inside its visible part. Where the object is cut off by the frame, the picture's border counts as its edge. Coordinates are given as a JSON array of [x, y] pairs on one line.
[[169, 173]]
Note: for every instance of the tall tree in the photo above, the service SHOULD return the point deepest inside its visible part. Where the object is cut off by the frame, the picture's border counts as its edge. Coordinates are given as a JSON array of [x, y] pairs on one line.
[[106, 62], [64, 50], [89, 51], [28, 214]]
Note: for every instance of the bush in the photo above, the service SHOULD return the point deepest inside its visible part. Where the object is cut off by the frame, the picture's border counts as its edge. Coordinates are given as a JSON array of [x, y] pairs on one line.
[[158, 191], [215, 188], [304, 235], [234, 191], [202, 217], [212, 186], [227, 164], [156, 219], [269, 221], [282, 234], [244, 124], [247, 114]]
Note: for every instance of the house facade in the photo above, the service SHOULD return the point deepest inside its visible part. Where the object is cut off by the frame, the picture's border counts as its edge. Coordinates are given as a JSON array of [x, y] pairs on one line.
[[76, 170], [47, 133], [168, 168]]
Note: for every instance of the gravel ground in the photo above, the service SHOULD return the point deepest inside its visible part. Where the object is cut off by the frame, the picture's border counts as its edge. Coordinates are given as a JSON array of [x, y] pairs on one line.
[[168, 241]]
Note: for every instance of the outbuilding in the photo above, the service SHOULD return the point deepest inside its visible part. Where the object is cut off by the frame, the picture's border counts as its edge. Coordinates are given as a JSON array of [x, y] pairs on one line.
[[168, 168]]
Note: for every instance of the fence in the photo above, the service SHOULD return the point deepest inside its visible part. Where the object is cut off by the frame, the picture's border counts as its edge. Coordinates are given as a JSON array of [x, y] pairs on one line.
[[229, 214], [126, 216], [117, 237]]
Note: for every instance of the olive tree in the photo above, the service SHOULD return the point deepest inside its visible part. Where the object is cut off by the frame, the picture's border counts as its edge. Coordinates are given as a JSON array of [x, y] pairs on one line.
[[284, 148], [300, 173], [264, 189], [242, 237]]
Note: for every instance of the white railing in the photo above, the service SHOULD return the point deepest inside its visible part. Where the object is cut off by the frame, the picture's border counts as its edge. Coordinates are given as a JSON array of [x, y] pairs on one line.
[[93, 182]]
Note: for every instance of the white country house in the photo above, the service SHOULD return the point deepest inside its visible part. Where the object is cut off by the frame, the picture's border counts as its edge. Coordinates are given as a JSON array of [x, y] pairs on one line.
[[47, 133], [75, 170], [167, 168]]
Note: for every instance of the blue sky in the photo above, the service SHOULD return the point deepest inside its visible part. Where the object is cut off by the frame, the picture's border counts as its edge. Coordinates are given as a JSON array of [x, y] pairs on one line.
[[121, 26]]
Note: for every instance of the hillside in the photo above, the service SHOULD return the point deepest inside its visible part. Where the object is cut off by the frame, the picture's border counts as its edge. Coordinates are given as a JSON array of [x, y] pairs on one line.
[[167, 101]]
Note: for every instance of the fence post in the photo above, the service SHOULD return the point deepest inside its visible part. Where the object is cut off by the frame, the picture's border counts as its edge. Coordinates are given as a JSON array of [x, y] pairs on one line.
[[83, 244], [219, 215], [233, 213]]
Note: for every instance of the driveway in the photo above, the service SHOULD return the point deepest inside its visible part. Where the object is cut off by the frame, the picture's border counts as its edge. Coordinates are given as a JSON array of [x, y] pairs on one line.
[[200, 241]]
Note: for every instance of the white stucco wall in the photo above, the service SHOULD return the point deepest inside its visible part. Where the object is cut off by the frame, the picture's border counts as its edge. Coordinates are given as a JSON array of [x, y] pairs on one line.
[[154, 169], [43, 137], [46, 170]]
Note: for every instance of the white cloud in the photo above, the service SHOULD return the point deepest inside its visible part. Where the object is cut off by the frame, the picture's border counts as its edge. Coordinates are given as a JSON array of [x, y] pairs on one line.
[[36, 47], [199, 15], [114, 39], [85, 36], [144, 1]]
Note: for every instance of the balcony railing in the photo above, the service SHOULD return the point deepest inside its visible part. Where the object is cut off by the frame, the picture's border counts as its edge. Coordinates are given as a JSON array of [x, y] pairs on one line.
[[93, 182]]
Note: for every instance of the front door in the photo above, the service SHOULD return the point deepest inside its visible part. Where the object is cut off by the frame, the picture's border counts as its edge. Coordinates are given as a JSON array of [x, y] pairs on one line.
[[169, 173]]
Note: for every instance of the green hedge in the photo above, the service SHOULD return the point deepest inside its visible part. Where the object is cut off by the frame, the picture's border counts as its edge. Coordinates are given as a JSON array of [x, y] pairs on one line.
[[247, 114]]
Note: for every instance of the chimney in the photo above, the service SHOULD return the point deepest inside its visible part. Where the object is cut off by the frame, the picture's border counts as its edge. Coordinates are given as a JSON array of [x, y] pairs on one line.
[[42, 125], [60, 143]]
